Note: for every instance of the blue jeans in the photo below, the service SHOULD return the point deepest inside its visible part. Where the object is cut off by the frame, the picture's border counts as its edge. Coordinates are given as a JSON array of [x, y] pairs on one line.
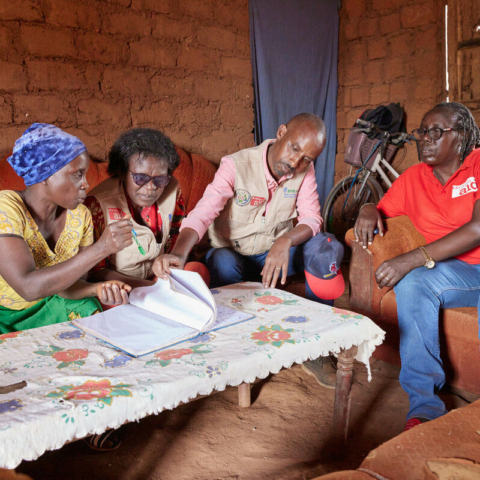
[[227, 266], [420, 295]]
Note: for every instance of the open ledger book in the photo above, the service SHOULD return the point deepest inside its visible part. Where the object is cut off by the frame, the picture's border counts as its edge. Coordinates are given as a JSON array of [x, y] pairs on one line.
[[171, 311]]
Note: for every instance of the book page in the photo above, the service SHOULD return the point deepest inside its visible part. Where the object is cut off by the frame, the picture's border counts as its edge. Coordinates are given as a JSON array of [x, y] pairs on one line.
[[164, 301], [228, 316], [133, 330], [193, 282]]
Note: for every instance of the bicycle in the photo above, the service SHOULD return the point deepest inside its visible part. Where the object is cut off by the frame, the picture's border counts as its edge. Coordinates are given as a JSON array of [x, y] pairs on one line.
[[371, 157]]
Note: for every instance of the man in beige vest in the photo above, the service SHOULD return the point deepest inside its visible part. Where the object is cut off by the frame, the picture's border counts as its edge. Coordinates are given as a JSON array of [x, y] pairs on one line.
[[249, 211]]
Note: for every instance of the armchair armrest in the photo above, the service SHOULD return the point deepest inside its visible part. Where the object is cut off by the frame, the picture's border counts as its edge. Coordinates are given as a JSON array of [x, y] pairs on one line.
[[400, 237]]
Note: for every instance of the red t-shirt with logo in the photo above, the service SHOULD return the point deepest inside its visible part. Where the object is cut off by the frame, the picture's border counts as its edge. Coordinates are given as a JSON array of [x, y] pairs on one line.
[[435, 209]]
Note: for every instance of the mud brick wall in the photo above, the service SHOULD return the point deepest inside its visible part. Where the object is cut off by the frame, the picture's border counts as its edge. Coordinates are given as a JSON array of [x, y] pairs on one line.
[[389, 51], [99, 67]]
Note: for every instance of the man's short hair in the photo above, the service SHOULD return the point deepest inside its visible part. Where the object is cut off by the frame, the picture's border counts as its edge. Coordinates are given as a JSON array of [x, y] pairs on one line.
[[314, 120]]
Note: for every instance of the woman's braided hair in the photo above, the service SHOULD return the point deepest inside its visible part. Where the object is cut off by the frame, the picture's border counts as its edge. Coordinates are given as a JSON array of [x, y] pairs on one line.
[[465, 121]]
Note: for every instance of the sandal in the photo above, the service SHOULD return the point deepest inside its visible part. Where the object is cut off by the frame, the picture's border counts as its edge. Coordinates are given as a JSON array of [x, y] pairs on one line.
[[104, 442]]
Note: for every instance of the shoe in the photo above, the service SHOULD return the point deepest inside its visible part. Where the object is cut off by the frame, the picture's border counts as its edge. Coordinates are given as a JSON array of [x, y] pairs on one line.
[[323, 370], [104, 442], [413, 422]]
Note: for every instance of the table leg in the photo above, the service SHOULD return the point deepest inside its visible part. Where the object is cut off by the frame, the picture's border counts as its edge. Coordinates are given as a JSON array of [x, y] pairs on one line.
[[244, 395], [341, 409]]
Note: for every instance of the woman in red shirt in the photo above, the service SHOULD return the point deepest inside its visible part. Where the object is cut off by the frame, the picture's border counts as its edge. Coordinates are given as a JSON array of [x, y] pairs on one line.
[[440, 196]]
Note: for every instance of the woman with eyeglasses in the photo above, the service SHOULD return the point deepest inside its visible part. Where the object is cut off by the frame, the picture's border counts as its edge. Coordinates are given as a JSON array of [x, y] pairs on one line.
[[441, 198], [141, 163]]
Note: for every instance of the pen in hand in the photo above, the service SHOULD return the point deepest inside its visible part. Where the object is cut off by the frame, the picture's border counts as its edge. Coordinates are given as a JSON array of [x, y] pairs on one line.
[[140, 248]]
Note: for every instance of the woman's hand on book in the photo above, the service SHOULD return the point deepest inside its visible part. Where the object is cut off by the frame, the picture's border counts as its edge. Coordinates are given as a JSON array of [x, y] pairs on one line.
[[113, 292], [162, 264]]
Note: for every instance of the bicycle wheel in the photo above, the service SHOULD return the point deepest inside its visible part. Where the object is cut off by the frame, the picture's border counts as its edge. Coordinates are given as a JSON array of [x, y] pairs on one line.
[[344, 202]]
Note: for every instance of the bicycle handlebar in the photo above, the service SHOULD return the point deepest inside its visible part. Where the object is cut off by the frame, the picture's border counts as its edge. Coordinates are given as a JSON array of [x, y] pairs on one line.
[[366, 127]]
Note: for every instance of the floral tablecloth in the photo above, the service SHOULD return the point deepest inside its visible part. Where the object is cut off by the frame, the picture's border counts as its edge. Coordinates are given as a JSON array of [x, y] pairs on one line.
[[77, 385]]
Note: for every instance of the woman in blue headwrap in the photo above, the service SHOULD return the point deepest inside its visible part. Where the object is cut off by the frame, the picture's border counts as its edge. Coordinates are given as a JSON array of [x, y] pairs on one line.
[[47, 225]]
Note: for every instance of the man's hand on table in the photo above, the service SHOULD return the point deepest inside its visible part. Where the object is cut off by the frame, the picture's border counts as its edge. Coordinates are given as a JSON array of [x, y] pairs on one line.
[[276, 262]]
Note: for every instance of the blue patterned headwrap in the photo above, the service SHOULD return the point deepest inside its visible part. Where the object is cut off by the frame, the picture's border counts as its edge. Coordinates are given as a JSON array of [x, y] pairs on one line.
[[42, 150]]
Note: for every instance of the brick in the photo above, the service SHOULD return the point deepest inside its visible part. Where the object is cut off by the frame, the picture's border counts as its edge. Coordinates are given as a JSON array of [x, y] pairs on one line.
[[148, 53], [236, 66], [225, 141], [374, 71], [427, 65], [44, 75], [387, 4], [236, 115], [242, 45], [159, 6], [199, 10], [26, 10], [377, 48], [42, 42], [356, 52], [155, 115], [97, 145], [164, 87], [6, 42], [400, 45], [213, 89], [246, 141], [96, 112], [429, 40], [342, 120], [193, 59], [237, 18], [10, 134], [47, 108], [70, 13], [394, 68], [360, 96], [13, 77], [379, 94], [389, 23], [244, 94], [101, 48], [214, 37], [199, 115], [354, 74], [351, 29], [423, 90], [398, 91], [355, 8], [122, 81], [418, 15], [93, 76], [368, 27], [123, 3], [6, 111], [353, 114], [127, 24], [167, 28]]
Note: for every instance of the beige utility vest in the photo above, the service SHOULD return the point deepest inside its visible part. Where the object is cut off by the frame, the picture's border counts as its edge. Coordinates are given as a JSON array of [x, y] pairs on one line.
[[242, 224], [111, 196]]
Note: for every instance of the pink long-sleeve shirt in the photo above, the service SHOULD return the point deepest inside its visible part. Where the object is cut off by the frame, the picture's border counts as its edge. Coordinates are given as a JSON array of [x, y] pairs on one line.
[[222, 187]]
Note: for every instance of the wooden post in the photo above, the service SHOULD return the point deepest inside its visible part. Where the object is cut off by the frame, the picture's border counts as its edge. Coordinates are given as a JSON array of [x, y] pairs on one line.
[[341, 409], [244, 395]]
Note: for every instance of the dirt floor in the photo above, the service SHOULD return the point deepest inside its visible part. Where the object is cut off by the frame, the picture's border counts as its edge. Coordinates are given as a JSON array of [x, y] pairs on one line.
[[285, 434]]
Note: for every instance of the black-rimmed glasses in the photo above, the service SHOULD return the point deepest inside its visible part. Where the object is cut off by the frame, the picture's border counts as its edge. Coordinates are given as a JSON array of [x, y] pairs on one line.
[[434, 133], [142, 179]]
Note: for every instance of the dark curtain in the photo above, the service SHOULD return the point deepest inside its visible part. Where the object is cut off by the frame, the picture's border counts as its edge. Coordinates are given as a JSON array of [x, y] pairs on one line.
[[294, 47]]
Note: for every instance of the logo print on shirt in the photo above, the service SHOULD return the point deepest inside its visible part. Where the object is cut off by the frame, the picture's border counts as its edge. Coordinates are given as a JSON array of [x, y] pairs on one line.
[[116, 213], [242, 197], [469, 186], [290, 192], [256, 201]]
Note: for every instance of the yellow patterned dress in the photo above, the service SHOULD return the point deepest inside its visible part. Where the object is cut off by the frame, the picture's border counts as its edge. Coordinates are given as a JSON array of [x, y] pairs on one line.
[[16, 221]]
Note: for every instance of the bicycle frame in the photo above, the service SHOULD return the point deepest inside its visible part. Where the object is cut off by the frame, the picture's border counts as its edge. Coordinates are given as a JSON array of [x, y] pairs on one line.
[[376, 168]]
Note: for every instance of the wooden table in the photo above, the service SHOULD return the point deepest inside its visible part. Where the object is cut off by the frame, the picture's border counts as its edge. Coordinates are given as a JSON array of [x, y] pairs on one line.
[[76, 385]]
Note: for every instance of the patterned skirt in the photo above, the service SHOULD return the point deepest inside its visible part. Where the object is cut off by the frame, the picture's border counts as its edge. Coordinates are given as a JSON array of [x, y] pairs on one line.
[[47, 311]]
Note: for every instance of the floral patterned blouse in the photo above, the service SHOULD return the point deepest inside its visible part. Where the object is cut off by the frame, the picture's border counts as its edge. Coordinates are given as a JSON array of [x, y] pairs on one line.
[[16, 221]]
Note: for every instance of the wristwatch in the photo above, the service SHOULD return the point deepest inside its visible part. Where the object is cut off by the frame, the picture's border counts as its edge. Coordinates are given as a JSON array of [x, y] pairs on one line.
[[429, 261]]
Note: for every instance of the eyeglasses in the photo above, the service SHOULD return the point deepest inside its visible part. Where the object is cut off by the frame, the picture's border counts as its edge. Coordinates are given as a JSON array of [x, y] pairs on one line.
[[434, 133], [142, 179]]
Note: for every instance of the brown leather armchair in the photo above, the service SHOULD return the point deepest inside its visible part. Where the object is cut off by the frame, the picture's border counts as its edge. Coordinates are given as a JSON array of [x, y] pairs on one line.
[[458, 326]]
